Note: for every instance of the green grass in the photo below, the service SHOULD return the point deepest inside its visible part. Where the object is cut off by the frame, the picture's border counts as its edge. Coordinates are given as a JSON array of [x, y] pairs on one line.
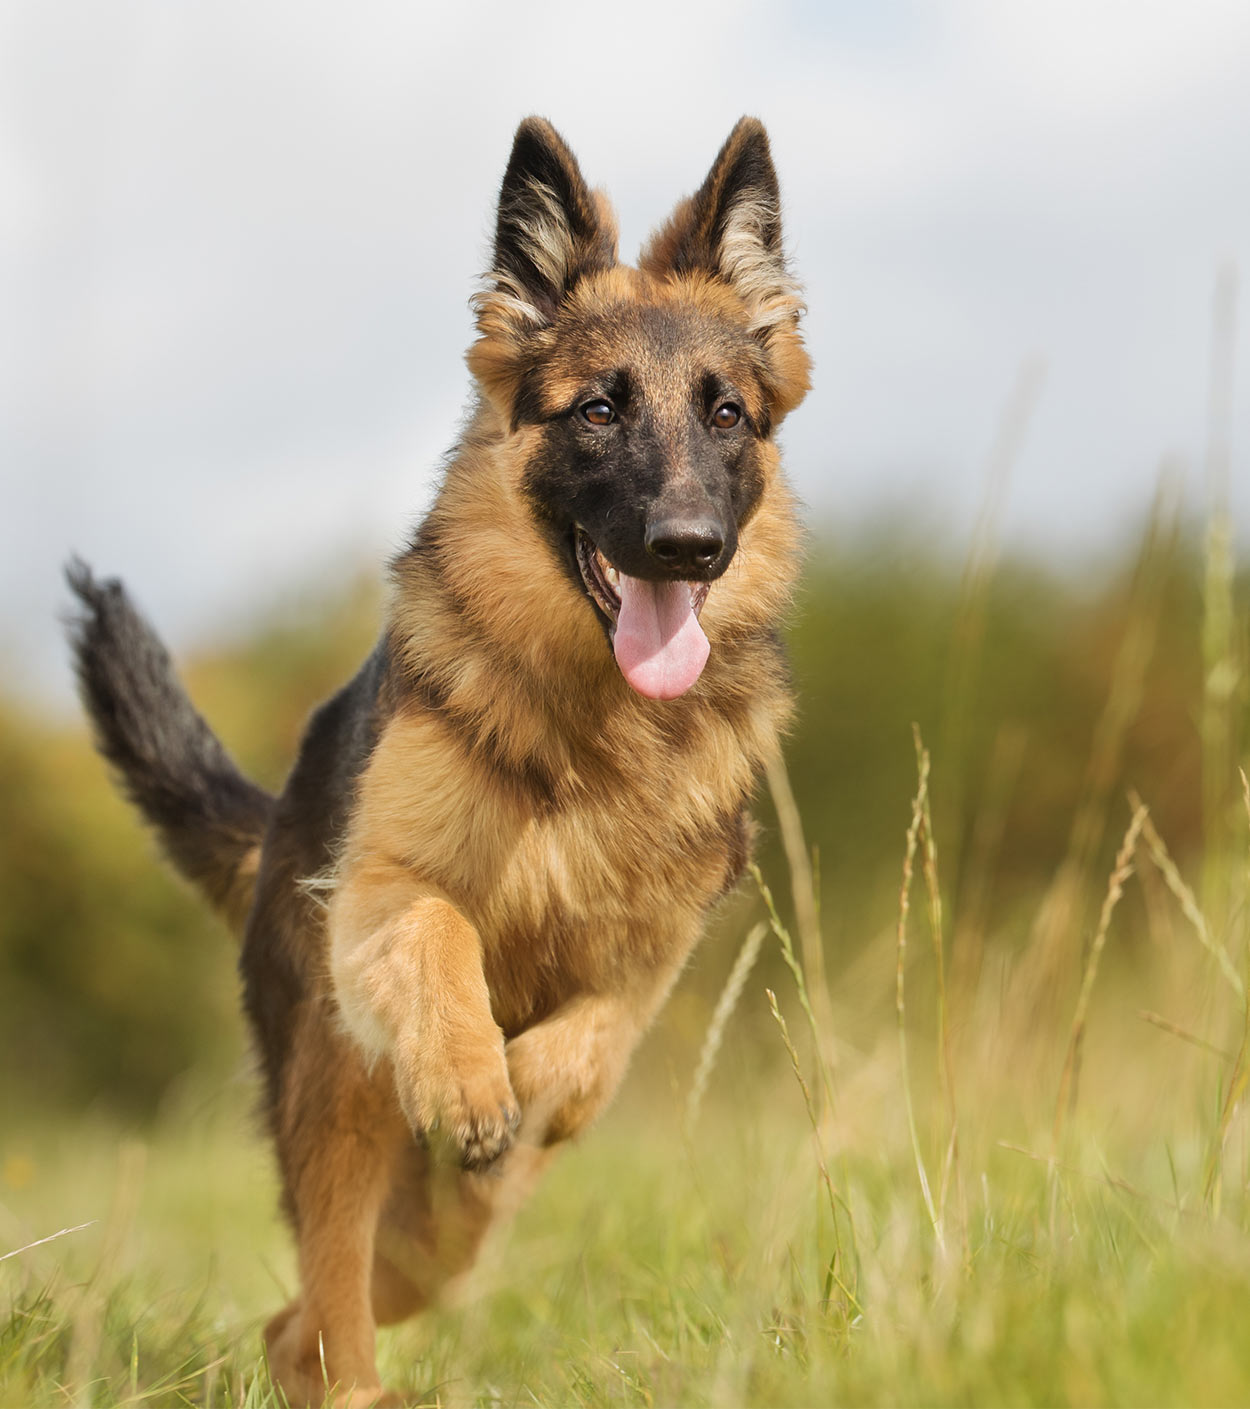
[[1005, 1160], [663, 1263]]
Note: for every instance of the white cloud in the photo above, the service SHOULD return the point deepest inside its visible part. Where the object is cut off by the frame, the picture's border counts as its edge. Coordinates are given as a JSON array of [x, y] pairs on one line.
[[236, 244]]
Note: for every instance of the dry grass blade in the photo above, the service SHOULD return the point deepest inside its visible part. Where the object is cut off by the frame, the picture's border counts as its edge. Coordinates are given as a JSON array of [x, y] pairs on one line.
[[824, 1072], [1069, 1080], [904, 907], [834, 1198], [1159, 1021], [1188, 902], [1062, 915], [1237, 1082], [51, 1238], [964, 658], [1245, 797], [823, 1068], [806, 907], [976, 875], [946, 1076], [933, 894], [1219, 657], [723, 1011], [88, 1324], [1111, 1180]]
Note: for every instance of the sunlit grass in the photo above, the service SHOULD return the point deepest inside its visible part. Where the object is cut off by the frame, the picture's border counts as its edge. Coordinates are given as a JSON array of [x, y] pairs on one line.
[[671, 1262], [978, 1138]]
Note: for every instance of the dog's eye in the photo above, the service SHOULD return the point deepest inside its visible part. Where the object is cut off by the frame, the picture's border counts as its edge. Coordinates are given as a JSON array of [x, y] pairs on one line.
[[726, 417], [598, 413]]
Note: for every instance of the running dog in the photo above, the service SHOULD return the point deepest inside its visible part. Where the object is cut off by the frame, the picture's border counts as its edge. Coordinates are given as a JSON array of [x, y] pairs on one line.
[[500, 841]]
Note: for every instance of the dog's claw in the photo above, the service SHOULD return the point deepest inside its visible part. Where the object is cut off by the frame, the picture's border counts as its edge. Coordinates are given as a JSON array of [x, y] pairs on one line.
[[486, 1141], [469, 1116]]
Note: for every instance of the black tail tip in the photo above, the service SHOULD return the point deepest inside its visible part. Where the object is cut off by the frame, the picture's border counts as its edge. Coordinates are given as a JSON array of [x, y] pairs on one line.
[[100, 624], [100, 601], [89, 590]]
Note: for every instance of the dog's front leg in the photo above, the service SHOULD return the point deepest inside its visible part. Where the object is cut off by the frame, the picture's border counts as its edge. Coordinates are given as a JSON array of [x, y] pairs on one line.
[[407, 971], [567, 1068]]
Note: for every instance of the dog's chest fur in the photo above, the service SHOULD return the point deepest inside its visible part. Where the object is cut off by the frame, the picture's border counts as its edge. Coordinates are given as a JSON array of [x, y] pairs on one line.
[[609, 878]]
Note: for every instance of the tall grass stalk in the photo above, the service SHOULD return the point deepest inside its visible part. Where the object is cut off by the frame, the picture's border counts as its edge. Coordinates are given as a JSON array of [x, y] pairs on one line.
[[900, 1004], [1237, 1081], [1061, 916], [1220, 666], [1235, 1088], [969, 630], [976, 877], [833, 1274], [1112, 1181], [823, 1069], [806, 903], [88, 1316], [951, 1167], [1069, 1079], [1165, 1025], [51, 1238], [1213, 1181], [1189, 904], [724, 1010]]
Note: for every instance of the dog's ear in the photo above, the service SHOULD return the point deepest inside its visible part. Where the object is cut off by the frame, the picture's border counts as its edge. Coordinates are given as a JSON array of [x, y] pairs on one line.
[[551, 230], [730, 229]]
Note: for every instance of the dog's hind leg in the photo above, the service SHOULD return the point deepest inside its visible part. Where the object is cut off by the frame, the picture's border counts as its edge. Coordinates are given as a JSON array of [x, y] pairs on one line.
[[404, 1278], [435, 1221], [340, 1135]]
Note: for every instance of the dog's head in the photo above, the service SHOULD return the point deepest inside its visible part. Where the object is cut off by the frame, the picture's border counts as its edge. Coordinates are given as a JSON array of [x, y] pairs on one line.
[[646, 398]]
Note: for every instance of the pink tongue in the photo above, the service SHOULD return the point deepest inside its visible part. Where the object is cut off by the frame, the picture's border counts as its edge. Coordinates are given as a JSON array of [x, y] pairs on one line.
[[659, 644]]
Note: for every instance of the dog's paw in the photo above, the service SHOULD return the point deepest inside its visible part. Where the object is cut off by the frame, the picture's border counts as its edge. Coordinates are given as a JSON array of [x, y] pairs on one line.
[[468, 1104], [299, 1369], [481, 1137]]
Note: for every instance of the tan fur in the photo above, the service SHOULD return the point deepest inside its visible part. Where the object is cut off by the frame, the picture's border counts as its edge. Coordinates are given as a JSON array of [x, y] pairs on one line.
[[533, 847], [744, 263], [236, 900]]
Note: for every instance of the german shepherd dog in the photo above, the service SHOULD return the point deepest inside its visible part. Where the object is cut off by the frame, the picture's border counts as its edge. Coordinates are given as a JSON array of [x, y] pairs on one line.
[[500, 841]]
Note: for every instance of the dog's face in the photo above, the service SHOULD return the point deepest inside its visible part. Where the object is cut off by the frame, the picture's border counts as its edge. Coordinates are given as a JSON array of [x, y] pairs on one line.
[[647, 398]]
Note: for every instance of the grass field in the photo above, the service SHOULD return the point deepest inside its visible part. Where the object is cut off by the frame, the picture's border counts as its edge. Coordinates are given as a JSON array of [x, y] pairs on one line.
[[999, 1156], [1083, 1239]]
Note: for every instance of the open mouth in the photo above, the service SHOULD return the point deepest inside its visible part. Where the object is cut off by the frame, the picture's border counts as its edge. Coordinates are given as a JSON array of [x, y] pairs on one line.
[[603, 581], [654, 626]]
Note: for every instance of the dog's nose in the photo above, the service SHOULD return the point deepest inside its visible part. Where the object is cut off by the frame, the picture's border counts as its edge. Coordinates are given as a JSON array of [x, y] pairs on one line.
[[686, 545]]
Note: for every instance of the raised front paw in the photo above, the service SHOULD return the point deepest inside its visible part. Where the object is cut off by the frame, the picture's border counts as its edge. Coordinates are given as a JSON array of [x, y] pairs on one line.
[[461, 1093]]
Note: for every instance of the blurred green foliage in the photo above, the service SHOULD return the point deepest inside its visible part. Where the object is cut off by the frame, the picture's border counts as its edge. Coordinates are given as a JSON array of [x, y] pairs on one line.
[[1037, 690], [877, 644]]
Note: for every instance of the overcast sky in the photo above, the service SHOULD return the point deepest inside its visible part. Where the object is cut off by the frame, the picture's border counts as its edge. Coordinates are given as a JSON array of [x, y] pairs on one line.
[[237, 242]]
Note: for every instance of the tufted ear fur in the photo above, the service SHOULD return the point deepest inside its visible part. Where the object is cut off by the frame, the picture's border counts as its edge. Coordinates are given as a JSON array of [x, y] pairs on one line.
[[731, 229], [551, 229]]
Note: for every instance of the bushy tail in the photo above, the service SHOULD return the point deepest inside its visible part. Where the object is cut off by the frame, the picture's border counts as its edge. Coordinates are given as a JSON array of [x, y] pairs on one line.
[[209, 818]]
